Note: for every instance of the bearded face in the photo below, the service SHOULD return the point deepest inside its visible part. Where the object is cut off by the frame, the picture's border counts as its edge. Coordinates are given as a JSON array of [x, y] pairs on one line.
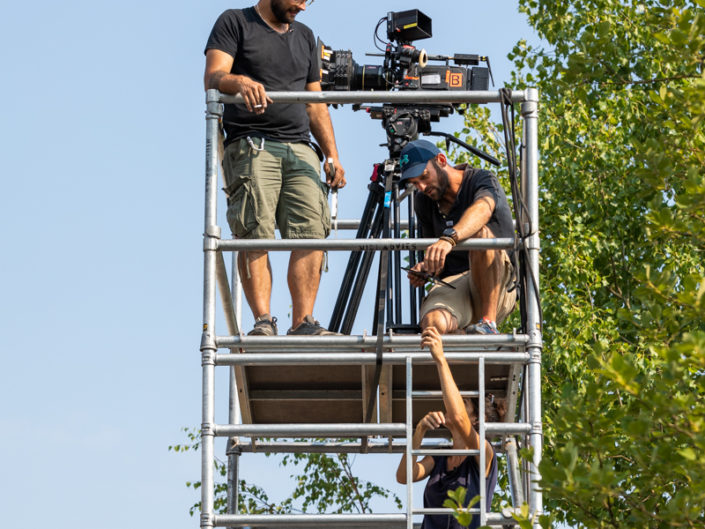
[[440, 186], [285, 11]]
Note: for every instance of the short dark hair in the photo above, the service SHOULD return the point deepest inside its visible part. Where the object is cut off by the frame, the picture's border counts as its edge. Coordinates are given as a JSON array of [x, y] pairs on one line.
[[495, 409]]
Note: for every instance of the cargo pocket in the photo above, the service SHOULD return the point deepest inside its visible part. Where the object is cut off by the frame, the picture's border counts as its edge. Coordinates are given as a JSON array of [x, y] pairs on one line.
[[242, 211]]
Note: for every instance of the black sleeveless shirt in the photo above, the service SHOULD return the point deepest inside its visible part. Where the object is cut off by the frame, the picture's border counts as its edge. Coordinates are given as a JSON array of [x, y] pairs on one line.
[[440, 481]]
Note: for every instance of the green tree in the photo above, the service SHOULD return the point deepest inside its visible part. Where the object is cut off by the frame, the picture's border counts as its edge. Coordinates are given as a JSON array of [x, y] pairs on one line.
[[324, 482], [622, 204]]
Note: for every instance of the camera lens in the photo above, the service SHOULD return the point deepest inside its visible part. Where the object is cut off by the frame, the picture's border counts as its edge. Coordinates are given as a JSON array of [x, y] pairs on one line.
[[368, 77]]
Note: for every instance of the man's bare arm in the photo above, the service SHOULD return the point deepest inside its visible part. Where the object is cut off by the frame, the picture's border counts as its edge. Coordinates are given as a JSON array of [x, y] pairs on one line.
[[218, 76], [322, 130], [472, 221], [457, 419], [474, 218]]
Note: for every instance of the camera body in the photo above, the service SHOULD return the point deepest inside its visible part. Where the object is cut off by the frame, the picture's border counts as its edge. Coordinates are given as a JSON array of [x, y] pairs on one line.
[[405, 67]]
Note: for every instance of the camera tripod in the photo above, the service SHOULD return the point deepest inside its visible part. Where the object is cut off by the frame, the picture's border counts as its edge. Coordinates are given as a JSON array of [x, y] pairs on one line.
[[380, 218]]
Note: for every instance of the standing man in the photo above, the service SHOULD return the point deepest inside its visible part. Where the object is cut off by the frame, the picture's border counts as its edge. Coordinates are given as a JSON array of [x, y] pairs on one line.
[[455, 204], [272, 172]]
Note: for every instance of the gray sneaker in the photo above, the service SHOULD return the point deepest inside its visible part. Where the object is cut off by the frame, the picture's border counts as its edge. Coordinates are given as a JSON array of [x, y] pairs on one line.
[[484, 326], [265, 325], [311, 327]]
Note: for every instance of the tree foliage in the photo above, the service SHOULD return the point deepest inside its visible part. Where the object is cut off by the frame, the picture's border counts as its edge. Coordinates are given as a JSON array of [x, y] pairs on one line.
[[622, 203], [323, 483]]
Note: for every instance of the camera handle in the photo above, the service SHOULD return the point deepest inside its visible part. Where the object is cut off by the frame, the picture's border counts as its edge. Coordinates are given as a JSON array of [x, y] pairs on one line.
[[477, 152]]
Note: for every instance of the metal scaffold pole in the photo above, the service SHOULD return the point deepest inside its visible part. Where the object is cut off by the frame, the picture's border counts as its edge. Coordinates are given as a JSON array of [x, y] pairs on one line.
[[211, 236], [529, 112]]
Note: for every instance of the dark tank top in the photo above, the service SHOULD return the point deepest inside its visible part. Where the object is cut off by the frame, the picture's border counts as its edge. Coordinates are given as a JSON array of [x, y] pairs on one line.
[[464, 475]]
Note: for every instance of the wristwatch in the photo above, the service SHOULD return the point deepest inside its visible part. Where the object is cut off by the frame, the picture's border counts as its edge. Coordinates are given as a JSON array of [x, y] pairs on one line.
[[451, 233]]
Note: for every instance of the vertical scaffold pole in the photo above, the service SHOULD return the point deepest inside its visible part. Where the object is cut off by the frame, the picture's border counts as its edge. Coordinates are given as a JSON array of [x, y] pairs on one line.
[[409, 440], [211, 237], [529, 112], [481, 417], [234, 416]]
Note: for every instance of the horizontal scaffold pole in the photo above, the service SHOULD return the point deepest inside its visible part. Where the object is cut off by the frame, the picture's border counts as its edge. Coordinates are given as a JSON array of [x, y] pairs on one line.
[[309, 430], [406, 96], [302, 343], [372, 446], [345, 430], [347, 521], [342, 358], [232, 245]]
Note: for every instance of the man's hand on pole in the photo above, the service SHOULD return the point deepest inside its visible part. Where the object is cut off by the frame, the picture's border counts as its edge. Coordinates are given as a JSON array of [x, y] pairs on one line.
[[254, 94], [435, 256], [431, 338]]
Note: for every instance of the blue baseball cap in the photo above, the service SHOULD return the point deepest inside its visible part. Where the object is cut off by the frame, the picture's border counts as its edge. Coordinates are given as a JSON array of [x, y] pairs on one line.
[[414, 157]]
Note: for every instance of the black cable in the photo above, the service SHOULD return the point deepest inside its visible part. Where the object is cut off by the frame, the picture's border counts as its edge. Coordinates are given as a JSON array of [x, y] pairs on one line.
[[376, 38], [519, 204]]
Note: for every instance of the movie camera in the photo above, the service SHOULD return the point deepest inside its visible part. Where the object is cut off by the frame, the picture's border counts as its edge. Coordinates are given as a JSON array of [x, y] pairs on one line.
[[405, 67]]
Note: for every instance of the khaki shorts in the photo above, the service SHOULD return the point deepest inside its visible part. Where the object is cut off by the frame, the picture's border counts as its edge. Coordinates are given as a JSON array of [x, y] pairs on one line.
[[459, 301], [282, 183]]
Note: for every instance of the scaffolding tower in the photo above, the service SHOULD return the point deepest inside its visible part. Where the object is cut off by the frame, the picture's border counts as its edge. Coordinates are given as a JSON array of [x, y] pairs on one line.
[[294, 387]]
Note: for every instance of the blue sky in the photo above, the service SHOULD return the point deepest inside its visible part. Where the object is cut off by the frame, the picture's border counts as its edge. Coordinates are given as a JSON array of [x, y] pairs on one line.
[[102, 128]]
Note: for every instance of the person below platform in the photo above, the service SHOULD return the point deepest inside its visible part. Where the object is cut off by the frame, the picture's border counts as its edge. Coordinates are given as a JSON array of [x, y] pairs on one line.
[[447, 473]]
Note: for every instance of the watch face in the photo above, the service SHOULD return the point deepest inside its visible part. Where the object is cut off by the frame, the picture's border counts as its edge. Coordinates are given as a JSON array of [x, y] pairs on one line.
[[450, 232]]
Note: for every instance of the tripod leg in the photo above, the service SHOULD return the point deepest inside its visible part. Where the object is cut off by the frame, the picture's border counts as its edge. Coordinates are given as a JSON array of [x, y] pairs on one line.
[[396, 286], [413, 308], [351, 271], [361, 279]]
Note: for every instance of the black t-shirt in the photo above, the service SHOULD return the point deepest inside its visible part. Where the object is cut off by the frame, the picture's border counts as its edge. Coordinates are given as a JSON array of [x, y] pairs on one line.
[[477, 183], [281, 62]]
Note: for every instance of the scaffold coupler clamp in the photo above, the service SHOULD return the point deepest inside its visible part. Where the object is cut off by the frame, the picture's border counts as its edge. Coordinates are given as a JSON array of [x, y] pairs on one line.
[[206, 520], [211, 238]]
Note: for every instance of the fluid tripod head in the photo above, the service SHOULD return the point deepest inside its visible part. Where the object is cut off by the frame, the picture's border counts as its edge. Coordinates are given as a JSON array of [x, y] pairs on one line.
[[404, 123]]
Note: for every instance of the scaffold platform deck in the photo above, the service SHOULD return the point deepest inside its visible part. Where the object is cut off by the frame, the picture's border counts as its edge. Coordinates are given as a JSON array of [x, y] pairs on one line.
[[278, 394]]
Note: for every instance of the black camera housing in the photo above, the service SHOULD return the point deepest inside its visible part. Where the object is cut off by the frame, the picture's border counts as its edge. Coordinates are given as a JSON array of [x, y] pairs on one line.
[[408, 26], [405, 67]]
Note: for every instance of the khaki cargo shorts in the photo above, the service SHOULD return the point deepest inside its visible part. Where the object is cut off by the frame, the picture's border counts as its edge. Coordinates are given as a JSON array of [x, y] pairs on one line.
[[459, 301], [281, 183]]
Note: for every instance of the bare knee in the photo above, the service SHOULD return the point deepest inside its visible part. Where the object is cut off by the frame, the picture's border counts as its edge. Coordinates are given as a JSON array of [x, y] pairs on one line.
[[483, 233], [480, 259], [441, 319]]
